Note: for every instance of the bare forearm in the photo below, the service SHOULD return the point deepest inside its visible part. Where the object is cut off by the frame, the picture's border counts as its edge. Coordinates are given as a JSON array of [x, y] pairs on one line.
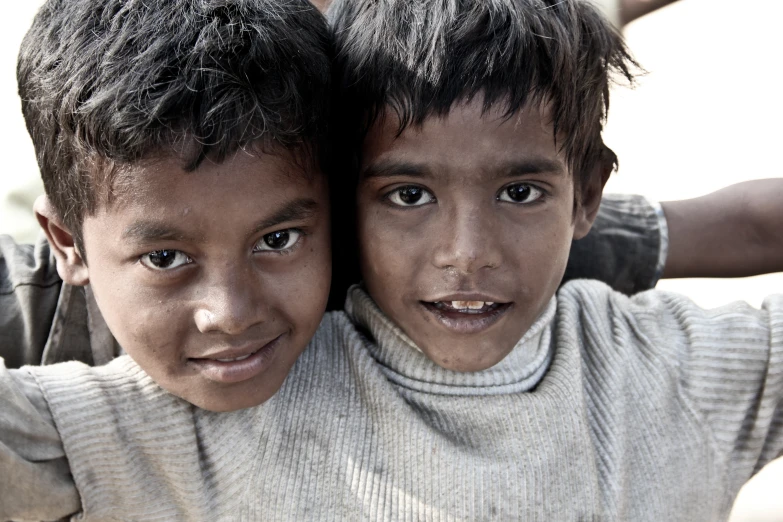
[[630, 10], [734, 232]]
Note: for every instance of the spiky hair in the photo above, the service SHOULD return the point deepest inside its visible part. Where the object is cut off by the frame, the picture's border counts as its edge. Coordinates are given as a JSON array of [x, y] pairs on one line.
[[419, 57], [113, 82]]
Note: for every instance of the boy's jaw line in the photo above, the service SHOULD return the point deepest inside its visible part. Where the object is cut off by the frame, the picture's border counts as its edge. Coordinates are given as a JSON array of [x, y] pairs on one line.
[[248, 361]]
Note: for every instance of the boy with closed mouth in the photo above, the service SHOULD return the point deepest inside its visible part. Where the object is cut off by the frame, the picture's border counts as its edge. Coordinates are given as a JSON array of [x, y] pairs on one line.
[[182, 146], [468, 391]]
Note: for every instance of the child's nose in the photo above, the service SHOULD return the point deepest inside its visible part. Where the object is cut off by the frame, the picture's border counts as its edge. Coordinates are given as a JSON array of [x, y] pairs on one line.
[[231, 304], [466, 242]]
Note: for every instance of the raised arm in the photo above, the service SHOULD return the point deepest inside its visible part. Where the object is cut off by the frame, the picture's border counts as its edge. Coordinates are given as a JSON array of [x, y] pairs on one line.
[[630, 10], [734, 232]]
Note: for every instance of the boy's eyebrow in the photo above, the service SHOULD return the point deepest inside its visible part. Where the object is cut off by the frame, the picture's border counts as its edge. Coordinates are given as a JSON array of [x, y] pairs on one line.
[[148, 231], [389, 169], [145, 231], [531, 166], [295, 210]]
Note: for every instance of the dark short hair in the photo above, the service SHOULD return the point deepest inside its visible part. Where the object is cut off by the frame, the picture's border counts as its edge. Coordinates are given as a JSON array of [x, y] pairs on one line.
[[107, 83], [419, 57]]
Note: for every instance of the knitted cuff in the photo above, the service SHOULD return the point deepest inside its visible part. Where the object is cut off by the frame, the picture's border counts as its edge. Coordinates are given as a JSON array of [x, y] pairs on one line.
[[663, 250]]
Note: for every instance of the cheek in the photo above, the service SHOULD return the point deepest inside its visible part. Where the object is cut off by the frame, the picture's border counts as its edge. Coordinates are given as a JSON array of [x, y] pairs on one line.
[[303, 289], [318, 264], [140, 319], [386, 254], [553, 246], [385, 250], [537, 246], [154, 329]]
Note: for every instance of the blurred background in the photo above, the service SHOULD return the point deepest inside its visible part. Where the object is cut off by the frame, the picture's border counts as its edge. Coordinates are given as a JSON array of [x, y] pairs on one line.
[[706, 115]]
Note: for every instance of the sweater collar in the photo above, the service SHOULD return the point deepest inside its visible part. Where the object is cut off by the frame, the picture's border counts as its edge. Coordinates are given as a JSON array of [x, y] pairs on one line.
[[406, 365]]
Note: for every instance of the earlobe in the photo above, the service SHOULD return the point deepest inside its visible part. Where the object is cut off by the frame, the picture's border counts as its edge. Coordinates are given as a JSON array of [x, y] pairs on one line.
[[70, 263]]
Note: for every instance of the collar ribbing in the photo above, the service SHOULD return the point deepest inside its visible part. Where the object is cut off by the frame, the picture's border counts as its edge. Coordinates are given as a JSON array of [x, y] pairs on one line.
[[407, 366]]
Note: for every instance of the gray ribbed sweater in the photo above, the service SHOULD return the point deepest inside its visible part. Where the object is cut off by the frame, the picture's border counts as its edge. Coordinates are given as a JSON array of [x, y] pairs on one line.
[[609, 408]]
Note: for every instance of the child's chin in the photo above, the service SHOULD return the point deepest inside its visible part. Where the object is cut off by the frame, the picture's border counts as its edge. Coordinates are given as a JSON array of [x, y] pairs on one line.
[[206, 395], [228, 402], [466, 359]]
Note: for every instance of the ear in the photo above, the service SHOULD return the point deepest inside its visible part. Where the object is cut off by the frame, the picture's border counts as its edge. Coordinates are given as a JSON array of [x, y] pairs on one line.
[[591, 192], [70, 262]]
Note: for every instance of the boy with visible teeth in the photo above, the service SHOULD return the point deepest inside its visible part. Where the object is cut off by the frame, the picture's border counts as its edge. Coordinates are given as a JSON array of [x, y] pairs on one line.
[[480, 159], [541, 408]]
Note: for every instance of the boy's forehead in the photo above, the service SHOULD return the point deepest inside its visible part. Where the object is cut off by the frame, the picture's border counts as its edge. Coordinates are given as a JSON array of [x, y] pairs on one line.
[[217, 203], [469, 134], [251, 168]]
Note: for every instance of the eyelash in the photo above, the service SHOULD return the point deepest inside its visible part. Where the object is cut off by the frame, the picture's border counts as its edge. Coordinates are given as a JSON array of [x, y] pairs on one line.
[[542, 193], [285, 251], [165, 252], [189, 260], [388, 196]]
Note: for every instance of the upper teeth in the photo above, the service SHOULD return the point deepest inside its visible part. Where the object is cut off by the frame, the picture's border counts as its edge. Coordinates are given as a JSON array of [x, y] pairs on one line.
[[469, 305], [237, 359]]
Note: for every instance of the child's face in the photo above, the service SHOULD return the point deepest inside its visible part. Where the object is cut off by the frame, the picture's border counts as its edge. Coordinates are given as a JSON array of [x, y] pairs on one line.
[[465, 226], [213, 281]]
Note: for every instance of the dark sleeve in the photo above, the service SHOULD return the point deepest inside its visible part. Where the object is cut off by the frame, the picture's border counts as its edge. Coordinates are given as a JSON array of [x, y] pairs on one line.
[[43, 320], [29, 291], [626, 247]]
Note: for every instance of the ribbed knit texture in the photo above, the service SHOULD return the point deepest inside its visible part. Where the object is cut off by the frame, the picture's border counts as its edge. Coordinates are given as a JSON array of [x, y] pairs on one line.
[[645, 409]]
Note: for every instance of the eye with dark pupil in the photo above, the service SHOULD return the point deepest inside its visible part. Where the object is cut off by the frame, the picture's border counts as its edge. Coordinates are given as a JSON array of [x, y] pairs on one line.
[[162, 258], [277, 240], [518, 192], [410, 195]]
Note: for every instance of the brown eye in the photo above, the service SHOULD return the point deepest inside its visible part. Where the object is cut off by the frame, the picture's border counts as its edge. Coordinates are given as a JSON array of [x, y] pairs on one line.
[[520, 193], [411, 196], [279, 240], [165, 259]]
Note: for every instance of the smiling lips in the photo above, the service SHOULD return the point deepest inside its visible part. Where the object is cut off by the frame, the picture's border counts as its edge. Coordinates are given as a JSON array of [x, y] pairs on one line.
[[242, 358], [229, 368]]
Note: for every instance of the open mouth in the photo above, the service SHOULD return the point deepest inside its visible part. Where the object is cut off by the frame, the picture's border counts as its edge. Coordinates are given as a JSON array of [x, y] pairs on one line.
[[467, 307], [466, 317]]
